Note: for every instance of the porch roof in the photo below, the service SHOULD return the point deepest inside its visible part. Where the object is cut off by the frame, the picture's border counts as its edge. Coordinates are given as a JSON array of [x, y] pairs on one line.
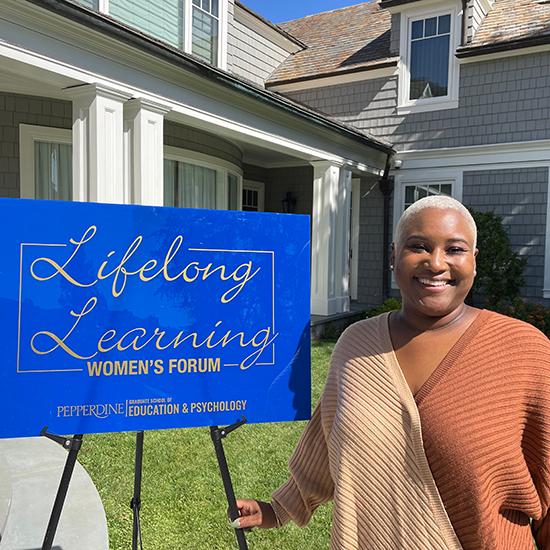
[[114, 28]]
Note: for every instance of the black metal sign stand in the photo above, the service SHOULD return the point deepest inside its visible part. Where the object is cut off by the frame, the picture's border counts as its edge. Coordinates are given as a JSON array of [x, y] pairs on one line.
[[135, 503], [217, 434], [72, 444]]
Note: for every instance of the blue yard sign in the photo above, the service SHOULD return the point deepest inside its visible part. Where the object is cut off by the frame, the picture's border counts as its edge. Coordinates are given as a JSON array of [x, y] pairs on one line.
[[117, 318]]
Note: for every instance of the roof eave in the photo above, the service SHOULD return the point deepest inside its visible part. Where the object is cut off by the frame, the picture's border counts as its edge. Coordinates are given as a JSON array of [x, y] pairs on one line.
[[484, 49], [364, 68], [113, 28]]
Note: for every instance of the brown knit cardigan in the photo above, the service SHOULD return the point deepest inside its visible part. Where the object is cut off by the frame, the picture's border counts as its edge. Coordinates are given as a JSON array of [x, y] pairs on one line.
[[465, 463]]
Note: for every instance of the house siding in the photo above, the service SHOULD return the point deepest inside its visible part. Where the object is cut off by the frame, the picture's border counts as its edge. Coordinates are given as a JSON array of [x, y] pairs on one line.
[[371, 239], [500, 101], [251, 55], [18, 109], [519, 196], [183, 137], [297, 180]]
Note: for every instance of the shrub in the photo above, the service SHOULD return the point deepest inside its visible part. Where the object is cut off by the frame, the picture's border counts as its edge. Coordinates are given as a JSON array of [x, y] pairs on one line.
[[390, 304], [499, 269], [535, 314]]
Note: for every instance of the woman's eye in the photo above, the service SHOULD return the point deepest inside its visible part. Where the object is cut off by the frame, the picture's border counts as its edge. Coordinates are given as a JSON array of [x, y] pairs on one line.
[[456, 250], [418, 247]]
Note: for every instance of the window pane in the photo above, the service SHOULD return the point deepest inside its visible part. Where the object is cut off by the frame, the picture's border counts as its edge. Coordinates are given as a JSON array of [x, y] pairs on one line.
[[430, 27], [435, 189], [429, 67], [422, 191], [163, 20], [53, 171], [205, 36], [233, 191], [170, 179], [214, 8], [447, 189], [417, 30], [444, 24], [409, 194]]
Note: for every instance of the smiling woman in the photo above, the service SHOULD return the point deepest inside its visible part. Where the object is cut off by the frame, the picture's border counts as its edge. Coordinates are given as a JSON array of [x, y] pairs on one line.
[[433, 430]]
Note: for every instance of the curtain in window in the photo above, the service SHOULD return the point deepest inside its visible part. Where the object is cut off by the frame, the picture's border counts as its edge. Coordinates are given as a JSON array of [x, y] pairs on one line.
[[53, 167], [162, 19], [190, 186]]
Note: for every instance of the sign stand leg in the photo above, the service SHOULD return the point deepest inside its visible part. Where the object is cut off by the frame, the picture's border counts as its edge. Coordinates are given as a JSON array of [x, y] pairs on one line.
[[135, 503], [217, 434], [73, 446]]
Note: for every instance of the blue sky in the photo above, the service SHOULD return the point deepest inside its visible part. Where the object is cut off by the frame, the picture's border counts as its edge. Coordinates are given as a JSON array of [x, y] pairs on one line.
[[285, 10]]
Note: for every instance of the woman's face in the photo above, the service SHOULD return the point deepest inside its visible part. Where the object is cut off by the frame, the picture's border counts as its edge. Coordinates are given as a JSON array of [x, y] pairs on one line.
[[434, 262]]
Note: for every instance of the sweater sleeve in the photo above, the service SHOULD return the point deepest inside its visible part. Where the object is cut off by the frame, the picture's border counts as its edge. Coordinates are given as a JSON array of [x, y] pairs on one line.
[[541, 527], [310, 483]]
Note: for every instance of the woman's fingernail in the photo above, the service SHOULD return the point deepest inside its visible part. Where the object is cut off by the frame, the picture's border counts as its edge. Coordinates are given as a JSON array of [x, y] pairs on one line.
[[236, 524]]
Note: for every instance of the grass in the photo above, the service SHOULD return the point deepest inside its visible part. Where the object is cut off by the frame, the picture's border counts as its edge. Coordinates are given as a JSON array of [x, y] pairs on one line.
[[183, 503]]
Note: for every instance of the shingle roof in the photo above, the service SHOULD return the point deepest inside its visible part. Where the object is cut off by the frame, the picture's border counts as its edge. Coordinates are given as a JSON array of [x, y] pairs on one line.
[[513, 20], [338, 40]]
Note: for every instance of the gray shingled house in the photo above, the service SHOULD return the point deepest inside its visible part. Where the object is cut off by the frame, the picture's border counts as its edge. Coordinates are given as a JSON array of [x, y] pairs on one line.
[[205, 104]]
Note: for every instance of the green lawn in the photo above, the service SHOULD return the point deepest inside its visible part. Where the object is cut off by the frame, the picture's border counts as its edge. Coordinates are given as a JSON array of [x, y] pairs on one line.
[[183, 503]]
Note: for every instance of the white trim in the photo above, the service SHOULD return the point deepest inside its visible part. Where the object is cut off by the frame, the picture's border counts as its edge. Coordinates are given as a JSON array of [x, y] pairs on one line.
[[223, 33], [28, 135], [103, 6], [256, 186], [335, 80], [450, 101], [354, 237]]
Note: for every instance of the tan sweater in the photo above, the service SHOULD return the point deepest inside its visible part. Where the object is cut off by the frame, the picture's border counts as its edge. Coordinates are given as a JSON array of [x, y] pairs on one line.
[[463, 464]]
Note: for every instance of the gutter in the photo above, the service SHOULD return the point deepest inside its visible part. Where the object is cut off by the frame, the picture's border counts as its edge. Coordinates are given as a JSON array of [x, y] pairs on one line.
[[385, 184], [113, 28], [527, 42]]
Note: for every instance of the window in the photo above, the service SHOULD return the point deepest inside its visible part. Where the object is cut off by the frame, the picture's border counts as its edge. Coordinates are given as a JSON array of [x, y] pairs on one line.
[[195, 180], [428, 68], [45, 162], [430, 41], [194, 26], [412, 193]]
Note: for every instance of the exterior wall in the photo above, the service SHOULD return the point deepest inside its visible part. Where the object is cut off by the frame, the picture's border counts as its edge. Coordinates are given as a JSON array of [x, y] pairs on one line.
[[200, 142], [20, 109], [371, 239], [476, 14], [298, 180], [502, 100], [395, 33], [255, 173], [519, 196], [251, 55]]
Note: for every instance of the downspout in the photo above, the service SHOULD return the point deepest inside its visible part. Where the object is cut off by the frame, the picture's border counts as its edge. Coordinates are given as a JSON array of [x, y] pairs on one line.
[[385, 184], [464, 39]]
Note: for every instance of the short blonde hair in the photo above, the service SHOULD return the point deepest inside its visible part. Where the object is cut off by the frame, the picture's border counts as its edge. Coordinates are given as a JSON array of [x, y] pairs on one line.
[[443, 202]]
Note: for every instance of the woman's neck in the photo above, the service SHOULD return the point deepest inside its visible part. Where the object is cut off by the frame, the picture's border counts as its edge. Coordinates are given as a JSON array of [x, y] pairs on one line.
[[424, 323]]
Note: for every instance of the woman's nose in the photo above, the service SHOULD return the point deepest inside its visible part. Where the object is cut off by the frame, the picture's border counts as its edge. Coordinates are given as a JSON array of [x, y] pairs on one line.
[[436, 261]]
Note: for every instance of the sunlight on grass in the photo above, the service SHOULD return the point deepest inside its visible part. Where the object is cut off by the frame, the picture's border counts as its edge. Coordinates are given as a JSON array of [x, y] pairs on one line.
[[183, 503]]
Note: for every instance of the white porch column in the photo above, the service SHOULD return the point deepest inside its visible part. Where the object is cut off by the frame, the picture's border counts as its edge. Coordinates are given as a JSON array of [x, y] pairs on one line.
[[98, 154], [330, 239], [143, 133]]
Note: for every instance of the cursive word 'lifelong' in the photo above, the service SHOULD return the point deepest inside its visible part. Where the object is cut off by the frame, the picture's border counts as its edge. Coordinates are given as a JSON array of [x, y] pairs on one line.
[[147, 271]]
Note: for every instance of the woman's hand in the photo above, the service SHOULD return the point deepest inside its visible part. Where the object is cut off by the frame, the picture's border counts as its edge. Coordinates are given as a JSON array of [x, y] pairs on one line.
[[255, 513]]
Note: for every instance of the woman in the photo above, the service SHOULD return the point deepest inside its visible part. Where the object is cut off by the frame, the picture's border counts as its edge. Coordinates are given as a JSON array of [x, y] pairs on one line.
[[433, 430]]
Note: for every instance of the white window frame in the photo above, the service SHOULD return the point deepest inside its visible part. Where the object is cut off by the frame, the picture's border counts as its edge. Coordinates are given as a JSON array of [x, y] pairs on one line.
[[223, 7], [450, 101], [28, 135], [222, 168], [255, 186]]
